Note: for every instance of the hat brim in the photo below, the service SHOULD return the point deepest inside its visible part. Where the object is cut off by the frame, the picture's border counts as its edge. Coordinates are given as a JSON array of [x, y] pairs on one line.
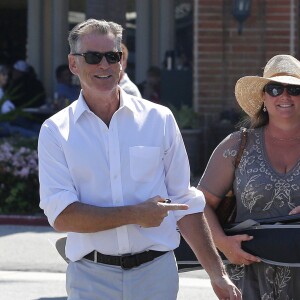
[[249, 91]]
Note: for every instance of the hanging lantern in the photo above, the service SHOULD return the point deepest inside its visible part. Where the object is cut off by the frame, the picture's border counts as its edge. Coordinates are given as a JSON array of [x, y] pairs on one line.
[[241, 11]]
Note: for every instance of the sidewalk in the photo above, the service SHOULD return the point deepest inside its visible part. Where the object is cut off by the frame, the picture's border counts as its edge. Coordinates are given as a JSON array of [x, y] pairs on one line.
[[31, 269], [51, 286]]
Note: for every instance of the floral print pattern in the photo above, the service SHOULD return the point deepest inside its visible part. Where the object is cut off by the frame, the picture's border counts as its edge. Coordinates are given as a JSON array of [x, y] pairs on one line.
[[259, 186], [262, 192]]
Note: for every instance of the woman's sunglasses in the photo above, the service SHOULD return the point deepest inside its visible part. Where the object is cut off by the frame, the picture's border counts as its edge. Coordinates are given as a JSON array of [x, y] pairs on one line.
[[94, 58], [276, 89]]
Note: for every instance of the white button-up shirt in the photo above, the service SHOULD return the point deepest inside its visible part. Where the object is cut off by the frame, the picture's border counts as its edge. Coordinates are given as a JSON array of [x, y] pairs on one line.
[[140, 155]]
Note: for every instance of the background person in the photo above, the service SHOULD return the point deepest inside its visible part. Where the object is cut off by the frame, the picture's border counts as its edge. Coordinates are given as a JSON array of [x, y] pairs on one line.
[[150, 88], [25, 86], [26, 90], [110, 194], [5, 104], [7, 128], [65, 89], [266, 182], [125, 83]]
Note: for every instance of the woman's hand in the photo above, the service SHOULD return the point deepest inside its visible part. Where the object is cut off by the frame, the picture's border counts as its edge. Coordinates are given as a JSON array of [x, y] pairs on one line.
[[295, 211], [231, 246]]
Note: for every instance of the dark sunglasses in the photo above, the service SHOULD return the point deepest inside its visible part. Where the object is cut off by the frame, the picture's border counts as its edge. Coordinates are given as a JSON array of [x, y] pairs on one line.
[[276, 89], [94, 58]]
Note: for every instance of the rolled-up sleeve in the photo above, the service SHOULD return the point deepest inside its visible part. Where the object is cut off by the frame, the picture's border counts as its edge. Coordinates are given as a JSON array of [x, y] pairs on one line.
[[56, 186], [178, 172]]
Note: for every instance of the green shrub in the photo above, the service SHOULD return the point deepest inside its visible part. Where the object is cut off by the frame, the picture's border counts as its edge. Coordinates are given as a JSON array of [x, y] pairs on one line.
[[186, 117]]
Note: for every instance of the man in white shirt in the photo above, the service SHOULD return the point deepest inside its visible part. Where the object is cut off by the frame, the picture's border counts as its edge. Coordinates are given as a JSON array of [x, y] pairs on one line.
[[125, 83], [107, 164]]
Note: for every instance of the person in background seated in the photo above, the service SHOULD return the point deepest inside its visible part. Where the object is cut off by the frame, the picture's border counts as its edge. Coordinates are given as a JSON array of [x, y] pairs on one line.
[[125, 83], [5, 104], [65, 89], [25, 91], [25, 87]]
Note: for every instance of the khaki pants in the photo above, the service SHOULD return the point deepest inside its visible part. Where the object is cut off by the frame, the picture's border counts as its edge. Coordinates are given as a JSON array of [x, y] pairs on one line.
[[155, 280]]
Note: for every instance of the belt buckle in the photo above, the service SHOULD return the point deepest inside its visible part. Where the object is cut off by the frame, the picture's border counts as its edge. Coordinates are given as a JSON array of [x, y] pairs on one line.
[[124, 259]]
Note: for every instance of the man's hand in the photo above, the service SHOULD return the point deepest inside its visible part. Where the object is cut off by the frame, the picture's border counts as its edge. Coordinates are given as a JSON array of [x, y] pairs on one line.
[[225, 289], [153, 211]]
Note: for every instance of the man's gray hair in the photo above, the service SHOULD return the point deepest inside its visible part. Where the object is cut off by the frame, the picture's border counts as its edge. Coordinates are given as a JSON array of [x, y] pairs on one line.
[[94, 26]]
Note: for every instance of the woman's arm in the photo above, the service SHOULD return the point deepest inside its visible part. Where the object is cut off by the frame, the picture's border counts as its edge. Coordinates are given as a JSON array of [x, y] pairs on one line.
[[230, 246]]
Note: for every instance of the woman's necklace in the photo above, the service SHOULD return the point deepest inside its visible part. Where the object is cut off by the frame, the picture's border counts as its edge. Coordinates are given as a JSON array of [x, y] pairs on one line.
[[282, 139]]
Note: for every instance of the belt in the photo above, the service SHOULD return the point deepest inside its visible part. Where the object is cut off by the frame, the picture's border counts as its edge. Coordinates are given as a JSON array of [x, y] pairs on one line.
[[126, 261]]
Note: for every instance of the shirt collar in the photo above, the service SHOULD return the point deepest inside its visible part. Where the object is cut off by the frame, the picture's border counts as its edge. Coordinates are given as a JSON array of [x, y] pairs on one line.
[[126, 101], [81, 106]]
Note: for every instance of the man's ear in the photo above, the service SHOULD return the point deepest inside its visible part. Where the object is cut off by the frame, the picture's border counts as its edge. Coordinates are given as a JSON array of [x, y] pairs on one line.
[[72, 64]]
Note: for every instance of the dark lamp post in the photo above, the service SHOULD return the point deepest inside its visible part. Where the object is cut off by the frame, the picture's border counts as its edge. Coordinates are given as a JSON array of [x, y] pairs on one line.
[[241, 11]]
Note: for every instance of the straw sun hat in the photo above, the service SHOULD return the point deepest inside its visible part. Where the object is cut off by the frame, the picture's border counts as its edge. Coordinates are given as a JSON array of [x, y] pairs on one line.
[[249, 89]]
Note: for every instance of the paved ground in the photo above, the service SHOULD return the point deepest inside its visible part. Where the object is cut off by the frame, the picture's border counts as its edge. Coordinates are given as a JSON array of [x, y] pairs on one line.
[[31, 269]]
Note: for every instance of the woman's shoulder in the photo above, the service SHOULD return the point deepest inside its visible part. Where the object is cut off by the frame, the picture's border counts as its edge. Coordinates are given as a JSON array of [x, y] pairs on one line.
[[231, 143], [231, 139], [236, 136]]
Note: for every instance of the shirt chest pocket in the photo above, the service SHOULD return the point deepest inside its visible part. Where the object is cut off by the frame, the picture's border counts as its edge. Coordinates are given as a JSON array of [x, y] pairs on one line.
[[144, 162]]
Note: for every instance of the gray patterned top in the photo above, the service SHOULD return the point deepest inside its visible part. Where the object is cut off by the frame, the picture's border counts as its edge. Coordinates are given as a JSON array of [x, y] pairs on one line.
[[261, 192]]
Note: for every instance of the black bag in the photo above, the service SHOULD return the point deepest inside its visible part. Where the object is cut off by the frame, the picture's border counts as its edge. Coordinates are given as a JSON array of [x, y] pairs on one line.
[[275, 240], [226, 211]]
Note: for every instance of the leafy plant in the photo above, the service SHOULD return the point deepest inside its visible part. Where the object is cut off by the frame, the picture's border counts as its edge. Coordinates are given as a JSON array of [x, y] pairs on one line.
[[19, 185], [185, 116], [11, 94]]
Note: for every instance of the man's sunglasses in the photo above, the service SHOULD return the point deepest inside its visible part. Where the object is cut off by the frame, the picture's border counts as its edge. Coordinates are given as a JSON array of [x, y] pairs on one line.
[[276, 89], [94, 58]]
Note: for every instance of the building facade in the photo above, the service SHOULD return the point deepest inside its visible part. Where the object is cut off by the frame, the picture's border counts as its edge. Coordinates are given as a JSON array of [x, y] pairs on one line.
[[222, 55], [161, 33]]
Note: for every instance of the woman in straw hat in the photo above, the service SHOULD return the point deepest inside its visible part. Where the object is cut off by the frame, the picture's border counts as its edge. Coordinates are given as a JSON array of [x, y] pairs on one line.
[[266, 182]]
